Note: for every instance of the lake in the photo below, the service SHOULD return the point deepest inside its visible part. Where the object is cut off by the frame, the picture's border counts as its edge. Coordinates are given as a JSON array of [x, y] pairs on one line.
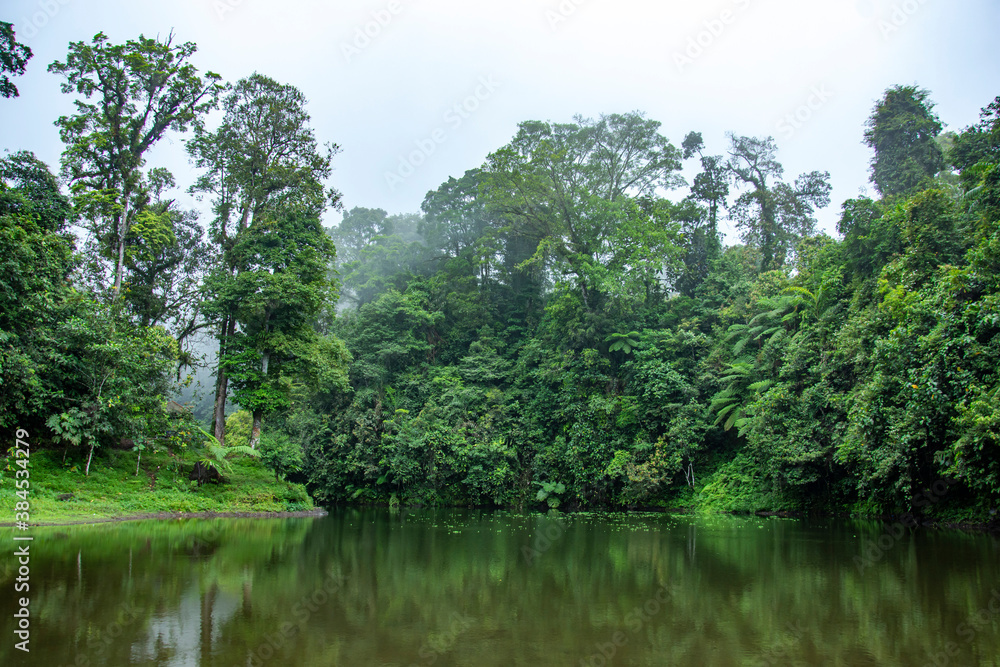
[[480, 588]]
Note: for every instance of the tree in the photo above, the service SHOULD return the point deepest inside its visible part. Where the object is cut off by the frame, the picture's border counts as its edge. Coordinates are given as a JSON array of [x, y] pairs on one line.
[[468, 238], [710, 187], [36, 262], [141, 90], [977, 154], [772, 216], [282, 287], [375, 250], [456, 218], [359, 228], [386, 262], [577, 187], [262, 159], [871, 239], [13, 59], [701, 245], [114, 376], [979, 143], [90, 375], [902, 131]]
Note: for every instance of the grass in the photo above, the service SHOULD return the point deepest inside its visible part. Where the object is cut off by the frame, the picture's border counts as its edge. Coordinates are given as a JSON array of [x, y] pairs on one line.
[[114, 491]]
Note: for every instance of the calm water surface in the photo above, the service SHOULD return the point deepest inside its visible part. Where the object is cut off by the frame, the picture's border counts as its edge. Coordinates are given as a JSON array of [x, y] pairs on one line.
[[468, 588]]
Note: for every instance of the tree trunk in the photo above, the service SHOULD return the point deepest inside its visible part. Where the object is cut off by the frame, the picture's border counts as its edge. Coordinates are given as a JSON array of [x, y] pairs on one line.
[[89, 457], [219, 415], [258, 414], [227, 329], [255, 431], [689, 474], [122, 234], [247, 599], [222, 384]]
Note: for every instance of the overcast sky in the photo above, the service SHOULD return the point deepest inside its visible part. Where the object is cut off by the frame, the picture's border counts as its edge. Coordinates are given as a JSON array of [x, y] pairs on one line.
[[417, 91]]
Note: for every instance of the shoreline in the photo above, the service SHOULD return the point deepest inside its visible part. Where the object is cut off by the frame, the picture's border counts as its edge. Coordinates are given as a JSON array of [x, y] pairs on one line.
[[159, 516], [987, 527]]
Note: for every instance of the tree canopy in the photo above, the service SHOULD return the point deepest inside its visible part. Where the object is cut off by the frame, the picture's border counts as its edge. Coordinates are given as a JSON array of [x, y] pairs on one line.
[[14, 59], [902, 131]]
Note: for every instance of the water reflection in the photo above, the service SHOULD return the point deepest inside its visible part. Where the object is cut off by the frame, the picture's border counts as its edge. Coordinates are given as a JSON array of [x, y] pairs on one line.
[[478, 589]]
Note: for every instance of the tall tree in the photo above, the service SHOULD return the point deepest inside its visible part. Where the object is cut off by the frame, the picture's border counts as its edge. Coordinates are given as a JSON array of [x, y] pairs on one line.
[[262, 158], [281, 289], [902, 131], [456, 218], [13, 59], [772, 214], [140, 91], [359, 228], [576, 187], [460, 224], [710, 187]]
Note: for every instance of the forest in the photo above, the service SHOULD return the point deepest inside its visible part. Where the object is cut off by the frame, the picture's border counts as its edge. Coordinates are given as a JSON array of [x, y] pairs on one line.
[[562, 325]]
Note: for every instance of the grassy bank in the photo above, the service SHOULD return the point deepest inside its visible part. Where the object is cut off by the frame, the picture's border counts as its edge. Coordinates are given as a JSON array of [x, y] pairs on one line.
[[61, 493]]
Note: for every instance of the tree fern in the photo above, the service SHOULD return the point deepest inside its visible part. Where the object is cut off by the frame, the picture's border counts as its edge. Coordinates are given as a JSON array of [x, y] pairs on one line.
[[217, 455], [763, 385]]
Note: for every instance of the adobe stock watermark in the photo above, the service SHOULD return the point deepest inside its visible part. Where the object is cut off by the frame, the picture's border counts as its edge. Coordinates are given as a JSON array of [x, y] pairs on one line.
[[47, 10], [701, 42], [126, 614], [98, 643], [223, 7], [791, 122], [967, 631], [454, 118], [543, 539], [875, 550], [635, 621], [440, 643], [302, 611], [365, 34], [562, 13], [898, 16]]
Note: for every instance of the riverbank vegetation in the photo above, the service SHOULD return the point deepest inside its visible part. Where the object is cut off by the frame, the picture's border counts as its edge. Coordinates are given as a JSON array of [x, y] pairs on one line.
[[63, 494], [562, 325]]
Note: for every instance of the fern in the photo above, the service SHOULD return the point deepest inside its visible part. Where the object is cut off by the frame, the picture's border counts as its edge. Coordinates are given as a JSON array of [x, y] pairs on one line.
[[218, 454], [735, 329], [725, 411], [733, 418], [624, 342], [740, 345]]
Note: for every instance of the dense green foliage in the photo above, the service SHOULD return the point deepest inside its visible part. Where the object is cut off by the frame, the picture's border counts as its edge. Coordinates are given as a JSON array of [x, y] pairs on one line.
[[85, 368], [560, 333], [549, 328]]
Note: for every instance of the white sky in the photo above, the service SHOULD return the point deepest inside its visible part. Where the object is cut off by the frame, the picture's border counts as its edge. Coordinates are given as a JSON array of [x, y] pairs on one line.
[[765, 60]]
